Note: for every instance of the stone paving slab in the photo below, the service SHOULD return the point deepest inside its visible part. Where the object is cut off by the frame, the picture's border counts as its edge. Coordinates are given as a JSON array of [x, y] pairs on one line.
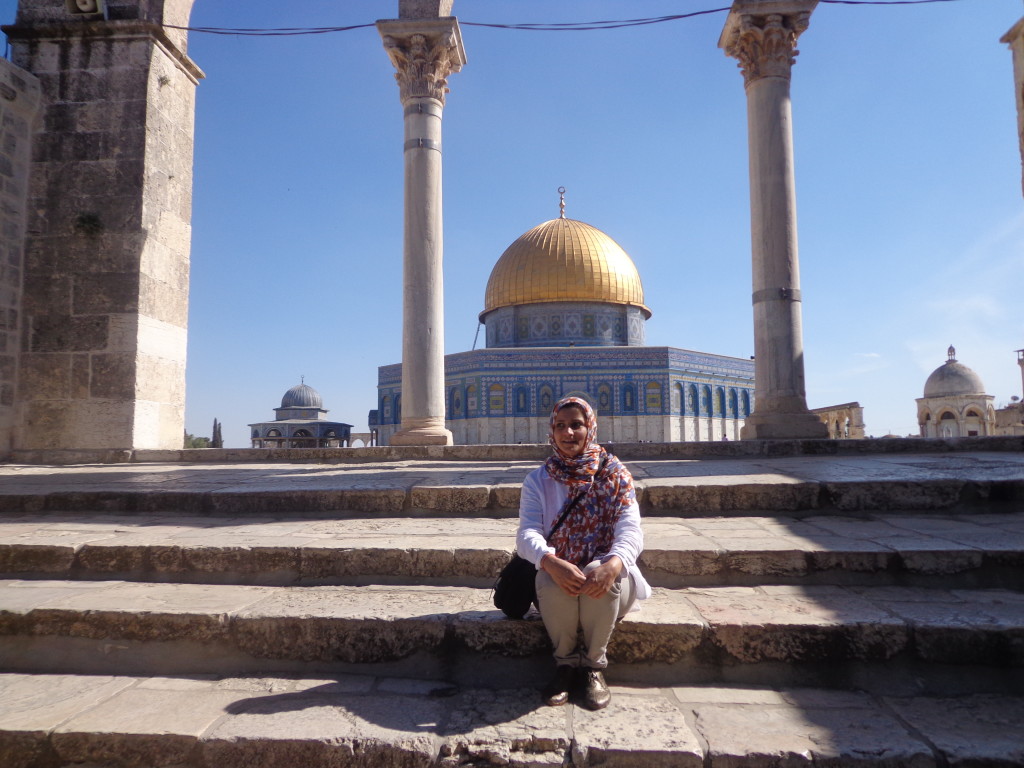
[[208, 722], [665, 486], [984, 550], [360, 625]]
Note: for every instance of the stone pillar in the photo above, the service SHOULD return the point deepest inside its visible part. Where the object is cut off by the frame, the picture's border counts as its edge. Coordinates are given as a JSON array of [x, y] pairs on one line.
[[762, 35], [1020, 362], [19, 107], [1015, 39], [105, 300], [425, 46]]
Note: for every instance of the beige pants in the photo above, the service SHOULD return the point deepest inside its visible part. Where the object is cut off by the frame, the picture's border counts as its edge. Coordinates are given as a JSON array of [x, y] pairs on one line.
[[564, 616]]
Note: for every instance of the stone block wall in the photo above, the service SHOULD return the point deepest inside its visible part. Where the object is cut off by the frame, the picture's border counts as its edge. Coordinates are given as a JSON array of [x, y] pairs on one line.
[[19, 107], [107, 258]]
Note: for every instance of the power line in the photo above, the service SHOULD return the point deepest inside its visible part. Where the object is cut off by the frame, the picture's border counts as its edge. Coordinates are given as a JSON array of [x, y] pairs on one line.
[[573, 26]]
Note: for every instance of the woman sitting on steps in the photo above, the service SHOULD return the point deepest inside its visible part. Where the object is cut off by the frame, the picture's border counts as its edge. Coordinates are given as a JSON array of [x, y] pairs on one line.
[[587, 577]]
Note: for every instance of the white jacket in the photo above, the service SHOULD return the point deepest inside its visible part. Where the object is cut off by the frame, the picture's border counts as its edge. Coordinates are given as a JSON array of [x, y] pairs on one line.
[[541, 501]]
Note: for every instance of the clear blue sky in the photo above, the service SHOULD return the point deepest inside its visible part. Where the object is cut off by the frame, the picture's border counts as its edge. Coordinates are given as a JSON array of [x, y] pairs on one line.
[[911, 217]]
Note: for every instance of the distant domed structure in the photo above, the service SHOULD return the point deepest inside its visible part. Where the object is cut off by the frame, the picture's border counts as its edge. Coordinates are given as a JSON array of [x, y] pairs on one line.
[[954, 402], [302, 396], [953, 378], [300, 423], [564, 314]]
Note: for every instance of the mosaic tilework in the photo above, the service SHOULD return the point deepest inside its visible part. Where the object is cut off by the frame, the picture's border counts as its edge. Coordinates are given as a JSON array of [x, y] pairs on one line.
[[619, 381], [565, 323]]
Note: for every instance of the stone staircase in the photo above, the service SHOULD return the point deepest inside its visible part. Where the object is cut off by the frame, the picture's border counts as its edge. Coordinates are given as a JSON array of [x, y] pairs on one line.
[[818, 604]]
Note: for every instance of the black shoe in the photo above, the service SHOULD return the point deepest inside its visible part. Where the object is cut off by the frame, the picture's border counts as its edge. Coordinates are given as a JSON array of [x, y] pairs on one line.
[[595, 691], [556, 692]]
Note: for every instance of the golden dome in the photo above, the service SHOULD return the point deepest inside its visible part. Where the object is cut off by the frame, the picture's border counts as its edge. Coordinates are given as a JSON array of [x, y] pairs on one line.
[[564, 260]]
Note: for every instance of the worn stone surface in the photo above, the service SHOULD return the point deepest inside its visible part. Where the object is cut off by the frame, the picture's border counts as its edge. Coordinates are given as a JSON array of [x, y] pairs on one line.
[[472, 550], [283, 722], [141, 727], [794, 623], [43, 702], [636, 730], [316, 727], [387, 487], [970, 730], [745, 734], [504, 728]]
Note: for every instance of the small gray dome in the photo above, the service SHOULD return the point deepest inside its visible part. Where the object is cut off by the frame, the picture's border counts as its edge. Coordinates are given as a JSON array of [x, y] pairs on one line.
[[953, 378], [302, 396]]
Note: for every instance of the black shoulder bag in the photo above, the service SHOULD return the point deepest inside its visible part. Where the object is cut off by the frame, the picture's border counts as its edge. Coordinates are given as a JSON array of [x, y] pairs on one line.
[[516, 588]]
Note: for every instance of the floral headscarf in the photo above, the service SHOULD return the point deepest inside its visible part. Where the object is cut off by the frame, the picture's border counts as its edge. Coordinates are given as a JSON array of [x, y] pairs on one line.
[[589, 529]]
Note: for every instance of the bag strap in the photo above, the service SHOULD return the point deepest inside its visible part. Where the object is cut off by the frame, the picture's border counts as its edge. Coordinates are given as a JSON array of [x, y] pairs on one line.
[[575, 500]]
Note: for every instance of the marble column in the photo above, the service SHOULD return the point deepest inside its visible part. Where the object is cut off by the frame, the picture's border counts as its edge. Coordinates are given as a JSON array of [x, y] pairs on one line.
[[762, 35], [1015, 39], [425, 47]]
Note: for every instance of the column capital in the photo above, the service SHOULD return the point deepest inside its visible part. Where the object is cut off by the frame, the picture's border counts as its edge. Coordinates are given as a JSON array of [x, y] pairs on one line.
[[425, 52], [762, 35]]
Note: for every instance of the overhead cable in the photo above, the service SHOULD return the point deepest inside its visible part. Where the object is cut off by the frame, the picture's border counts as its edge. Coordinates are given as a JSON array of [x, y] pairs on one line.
[[571, 26]]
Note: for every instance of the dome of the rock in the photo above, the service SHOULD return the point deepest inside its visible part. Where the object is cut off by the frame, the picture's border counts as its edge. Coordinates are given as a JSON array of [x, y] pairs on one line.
[[564, 260]]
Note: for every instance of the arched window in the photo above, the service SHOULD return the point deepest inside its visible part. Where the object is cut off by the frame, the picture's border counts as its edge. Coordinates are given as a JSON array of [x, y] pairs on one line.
[[705, 400], [273, 433], [720, 402], [496, 399], [522, 401], [734, 406], [604, 399], [628, 398], [455, 402], [653, 400], [745, 401], [677, 398], [398, 409], [385, 409], [545, 400], [692, 401]]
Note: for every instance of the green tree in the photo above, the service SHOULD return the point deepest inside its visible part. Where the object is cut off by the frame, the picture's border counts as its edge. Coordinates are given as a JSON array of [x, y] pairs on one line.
[[191, 441]]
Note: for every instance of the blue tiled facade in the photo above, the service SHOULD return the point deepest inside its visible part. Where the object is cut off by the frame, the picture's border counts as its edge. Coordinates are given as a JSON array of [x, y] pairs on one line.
[[565, 323], [505, 383]]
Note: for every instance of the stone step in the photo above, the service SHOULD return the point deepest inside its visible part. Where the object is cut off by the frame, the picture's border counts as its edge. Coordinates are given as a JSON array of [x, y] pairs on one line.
[[782, 635], [916, 550], [318, 722], [797, 485]]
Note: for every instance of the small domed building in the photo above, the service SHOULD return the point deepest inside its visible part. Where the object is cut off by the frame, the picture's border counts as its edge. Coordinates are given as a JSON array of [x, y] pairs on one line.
[[954, 402], [300, 423], [564, 314]]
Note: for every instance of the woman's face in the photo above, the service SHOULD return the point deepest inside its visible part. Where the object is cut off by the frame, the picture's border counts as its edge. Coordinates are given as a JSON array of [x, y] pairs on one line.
[[570, 431]]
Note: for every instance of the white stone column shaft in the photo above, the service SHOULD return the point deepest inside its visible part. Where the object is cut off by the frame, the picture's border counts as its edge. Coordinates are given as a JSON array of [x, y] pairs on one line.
[[762, 35], [423, 401], [424, 52], [1015, 39]]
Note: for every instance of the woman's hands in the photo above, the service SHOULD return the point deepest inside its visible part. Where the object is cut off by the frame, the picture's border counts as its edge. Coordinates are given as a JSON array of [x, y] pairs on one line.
[[574, 582], [600, 580], [564, 574]]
